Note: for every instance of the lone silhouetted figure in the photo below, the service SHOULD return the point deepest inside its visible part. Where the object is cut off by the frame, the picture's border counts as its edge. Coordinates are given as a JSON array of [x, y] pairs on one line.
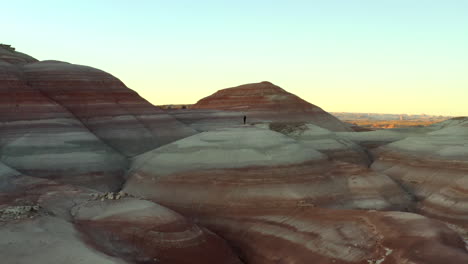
[[245, 118]]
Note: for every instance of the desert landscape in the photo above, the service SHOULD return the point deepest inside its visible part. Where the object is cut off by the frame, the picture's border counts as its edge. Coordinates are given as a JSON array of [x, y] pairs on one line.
[[90, 172], [364, 121], [374, 121]]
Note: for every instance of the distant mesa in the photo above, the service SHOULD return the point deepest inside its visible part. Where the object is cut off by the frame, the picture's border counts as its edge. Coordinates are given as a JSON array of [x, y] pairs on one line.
[[266, 102]]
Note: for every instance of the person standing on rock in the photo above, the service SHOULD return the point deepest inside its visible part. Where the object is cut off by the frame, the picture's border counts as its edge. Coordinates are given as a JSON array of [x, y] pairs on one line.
[[245, 118]]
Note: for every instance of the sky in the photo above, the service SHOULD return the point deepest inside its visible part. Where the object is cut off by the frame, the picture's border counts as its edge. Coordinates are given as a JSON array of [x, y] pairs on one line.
[[385, 56]]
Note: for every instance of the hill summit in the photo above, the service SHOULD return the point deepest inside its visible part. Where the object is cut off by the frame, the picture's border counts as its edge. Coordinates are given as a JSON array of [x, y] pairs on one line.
[[265, 101]]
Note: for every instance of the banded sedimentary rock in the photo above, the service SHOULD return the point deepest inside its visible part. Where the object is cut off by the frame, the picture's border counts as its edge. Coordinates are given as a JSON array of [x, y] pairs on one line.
[[239, 172], [302, 235], [38, 216], [321, 139], [144, 232], [47, 239], [74, 124], [35, 223], [248, 166], [116, 114], [433, 168], [275, 211], [207, 120], [10, 55], [41, 138], [266, 102]]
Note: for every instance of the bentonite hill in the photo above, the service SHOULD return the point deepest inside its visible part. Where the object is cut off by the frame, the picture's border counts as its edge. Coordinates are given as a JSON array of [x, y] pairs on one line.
[[90, 172]]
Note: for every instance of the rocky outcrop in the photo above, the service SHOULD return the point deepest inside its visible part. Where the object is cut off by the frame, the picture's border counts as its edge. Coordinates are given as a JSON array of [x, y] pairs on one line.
[[302, 235], [75, 124], [266, 102], [36, 227], [42, 138], [433, 167], [294, 185], [207, 120], [39, 216], [144, 232], [334, 146], [116, 114], [10, 55], [248, 166], [277, 198]]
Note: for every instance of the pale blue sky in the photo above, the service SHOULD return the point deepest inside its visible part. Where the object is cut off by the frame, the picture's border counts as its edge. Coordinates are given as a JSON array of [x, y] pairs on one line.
[[393, 56]]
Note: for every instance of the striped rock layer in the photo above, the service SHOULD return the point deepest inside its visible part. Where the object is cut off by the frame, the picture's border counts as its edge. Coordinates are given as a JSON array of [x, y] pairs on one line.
[[249, 167], [39, 217], [274, 212], [114, 113], [73, 123], [315, 235], [36, 226], [266, 102], [433, 168], [143, 232], [296, 190]]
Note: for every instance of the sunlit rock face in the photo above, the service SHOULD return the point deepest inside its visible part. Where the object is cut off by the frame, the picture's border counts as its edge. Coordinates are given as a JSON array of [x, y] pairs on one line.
[[266, 102], [116, 114], [144, 232], [434, 168]]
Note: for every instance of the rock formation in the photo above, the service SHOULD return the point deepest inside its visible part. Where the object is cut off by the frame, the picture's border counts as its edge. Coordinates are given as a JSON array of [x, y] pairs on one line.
[[47, 239], [114, 113], [325, 141], [143, 232], [433, 167], [92, 173], [248, 183], [8, 54], [40, 137], [241, 165], [74, 123], [300, 235], [266, 102]]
